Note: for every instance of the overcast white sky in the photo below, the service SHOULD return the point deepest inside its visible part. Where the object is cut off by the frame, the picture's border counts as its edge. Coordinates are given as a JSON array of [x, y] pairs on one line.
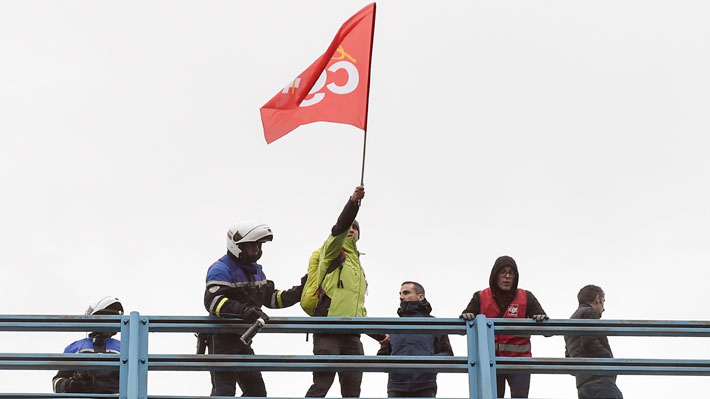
[[569, 135]]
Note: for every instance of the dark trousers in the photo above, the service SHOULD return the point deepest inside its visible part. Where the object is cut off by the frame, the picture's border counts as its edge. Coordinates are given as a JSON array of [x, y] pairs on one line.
[[224, 382], [519, 385], [422, 393], [336, 344], [602, 388]]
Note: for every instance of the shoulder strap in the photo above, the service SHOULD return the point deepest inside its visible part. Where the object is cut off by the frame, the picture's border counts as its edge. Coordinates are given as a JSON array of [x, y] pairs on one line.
[[337, 263], [99, 345]]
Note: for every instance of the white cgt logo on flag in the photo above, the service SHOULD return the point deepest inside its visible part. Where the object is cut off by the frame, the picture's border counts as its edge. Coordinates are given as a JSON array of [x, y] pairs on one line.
[[349, 86]]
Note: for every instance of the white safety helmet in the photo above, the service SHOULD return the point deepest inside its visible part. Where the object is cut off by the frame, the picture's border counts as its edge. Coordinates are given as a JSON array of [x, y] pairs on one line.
[[242, 232], [105, 306]]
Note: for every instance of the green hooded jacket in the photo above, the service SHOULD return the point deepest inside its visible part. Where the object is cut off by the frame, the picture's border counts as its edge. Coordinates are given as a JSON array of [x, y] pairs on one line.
[[345, 286]]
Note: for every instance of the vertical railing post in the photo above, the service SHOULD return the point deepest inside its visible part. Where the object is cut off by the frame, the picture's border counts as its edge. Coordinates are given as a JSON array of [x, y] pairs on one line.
[[481, 359], [123, 367], [137, 384], [472, 364], [143, 359]]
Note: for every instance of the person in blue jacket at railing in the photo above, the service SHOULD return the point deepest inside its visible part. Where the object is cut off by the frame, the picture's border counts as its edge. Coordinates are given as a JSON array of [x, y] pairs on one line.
[[503, 298], [237, 288], [413, 303], [591, 306], [92, 381]]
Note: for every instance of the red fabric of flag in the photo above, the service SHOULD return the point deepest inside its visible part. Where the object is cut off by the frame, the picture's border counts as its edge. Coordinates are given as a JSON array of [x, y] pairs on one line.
[[333, 89]]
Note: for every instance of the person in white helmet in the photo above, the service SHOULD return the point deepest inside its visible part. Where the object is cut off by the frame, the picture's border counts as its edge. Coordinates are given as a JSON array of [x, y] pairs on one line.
[[92, 381], [237, 288]]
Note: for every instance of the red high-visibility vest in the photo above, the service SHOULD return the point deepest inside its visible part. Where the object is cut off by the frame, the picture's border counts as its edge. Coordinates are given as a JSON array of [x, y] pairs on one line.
[[508, 345]]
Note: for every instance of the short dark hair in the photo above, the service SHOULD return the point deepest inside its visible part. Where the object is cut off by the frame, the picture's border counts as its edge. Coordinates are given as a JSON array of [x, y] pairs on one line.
[[417, 287], [588, 293]]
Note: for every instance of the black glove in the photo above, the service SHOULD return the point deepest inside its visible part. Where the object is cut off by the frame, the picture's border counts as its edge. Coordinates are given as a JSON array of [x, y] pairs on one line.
[[467, 316], [251, 314], [78, 385], [540, 317], [303, 279], [377, 337]]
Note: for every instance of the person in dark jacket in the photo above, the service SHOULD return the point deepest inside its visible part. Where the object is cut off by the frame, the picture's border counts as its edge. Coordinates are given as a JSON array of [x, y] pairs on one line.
[[92, 381], [413, 303], [591, 306], [237, 288], [503, 298]]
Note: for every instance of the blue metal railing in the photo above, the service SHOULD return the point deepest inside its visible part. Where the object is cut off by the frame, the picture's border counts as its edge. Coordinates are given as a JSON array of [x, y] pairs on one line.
[[480, 364]]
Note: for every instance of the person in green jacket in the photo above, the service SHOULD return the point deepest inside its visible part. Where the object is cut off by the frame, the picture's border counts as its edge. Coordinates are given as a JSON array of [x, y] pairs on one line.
[[341, 294]]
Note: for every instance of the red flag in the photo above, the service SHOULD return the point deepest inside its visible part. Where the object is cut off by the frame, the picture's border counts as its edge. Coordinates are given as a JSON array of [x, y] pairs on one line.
[[335, 88]]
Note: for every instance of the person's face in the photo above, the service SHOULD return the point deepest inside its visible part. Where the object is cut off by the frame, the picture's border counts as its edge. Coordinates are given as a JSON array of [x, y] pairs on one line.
[[408, 293], [354, 233], [252, 250], [506, 275], [598, 304]]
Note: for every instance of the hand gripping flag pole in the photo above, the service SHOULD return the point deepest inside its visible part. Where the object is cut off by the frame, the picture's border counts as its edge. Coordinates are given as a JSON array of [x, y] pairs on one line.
[[335, 88]]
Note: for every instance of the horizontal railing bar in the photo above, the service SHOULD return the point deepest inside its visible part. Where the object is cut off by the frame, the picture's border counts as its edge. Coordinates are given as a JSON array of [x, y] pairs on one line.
[[309, 366], [55, 365], [309, 358], [359, 320], [55, 395], [242, 397], [603, 330], [606, 323], [601, 361], [344, 325], [61, 356], [272, 327], [308, 363], [94, 326], [69, 318], [604, 366], [315, 320], [58, 361], [608, 370], [455, 322]]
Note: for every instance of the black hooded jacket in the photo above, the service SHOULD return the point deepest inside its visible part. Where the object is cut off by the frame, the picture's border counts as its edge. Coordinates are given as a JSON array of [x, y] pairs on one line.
[[504, 298]]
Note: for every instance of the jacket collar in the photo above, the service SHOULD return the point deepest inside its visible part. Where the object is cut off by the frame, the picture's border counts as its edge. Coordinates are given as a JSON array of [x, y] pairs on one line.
[[414, 308]]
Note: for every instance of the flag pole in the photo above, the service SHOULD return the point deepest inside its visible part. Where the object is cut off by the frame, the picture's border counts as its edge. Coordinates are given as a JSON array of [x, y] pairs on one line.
[[367, 103], [364, 146]]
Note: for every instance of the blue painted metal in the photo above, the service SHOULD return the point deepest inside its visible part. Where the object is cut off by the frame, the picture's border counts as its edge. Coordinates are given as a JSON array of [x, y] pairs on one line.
[[54, 395], [472, 360], [123, 367], [142, 387], [441, 364], [480, 363], [137, 357]]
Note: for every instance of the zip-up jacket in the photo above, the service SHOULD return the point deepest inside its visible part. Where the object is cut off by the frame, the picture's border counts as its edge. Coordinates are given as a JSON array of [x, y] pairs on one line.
[[343, 288], [414, 345], [503, 300], [587, 345], [93, 381], [233, 287]]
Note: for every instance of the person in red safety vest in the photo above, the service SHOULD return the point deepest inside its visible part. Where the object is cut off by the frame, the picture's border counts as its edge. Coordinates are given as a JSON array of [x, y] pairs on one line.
[[503, 298]]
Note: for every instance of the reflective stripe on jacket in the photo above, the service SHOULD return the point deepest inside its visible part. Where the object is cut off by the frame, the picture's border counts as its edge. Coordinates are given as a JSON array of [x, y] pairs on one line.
[[508, 345]]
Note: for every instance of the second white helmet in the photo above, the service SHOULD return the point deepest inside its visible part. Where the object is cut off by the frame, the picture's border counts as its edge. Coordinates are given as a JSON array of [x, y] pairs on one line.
[[242, 232], [105, 306]]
